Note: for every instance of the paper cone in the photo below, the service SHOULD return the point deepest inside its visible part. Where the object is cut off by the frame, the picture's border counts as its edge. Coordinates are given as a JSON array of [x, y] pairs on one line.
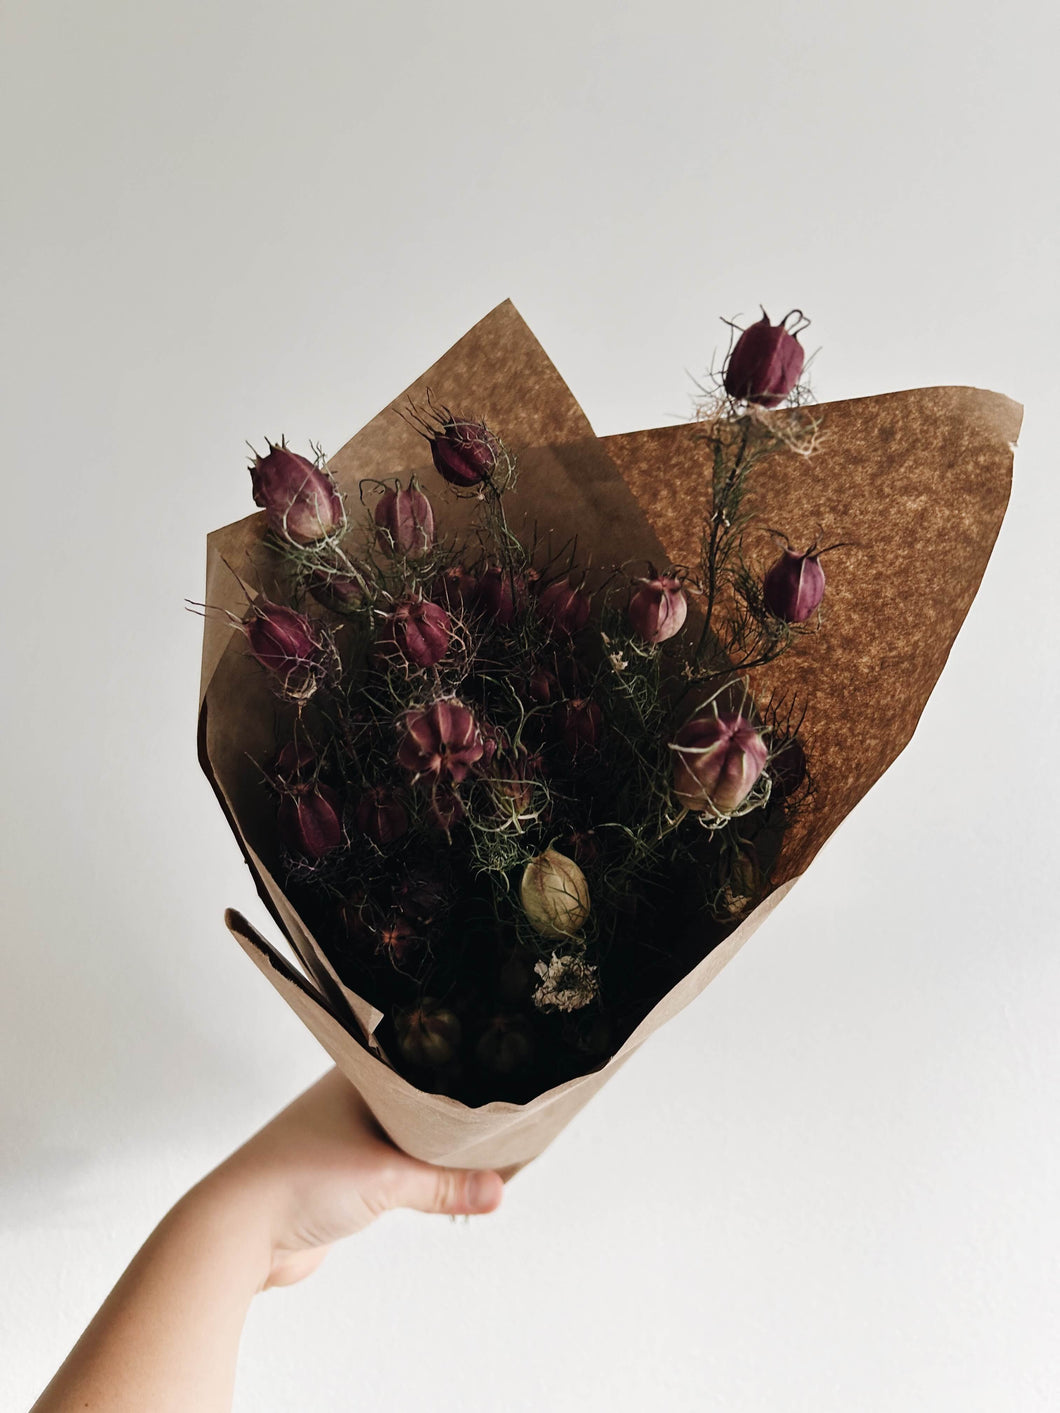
[[914, 484]]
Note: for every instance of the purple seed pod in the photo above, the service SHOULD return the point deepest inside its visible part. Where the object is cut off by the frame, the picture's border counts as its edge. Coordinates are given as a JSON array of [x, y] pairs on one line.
[[428, 1035], [787, 766], [310, 820], [494, 596], [418, 631], [464, 453], [658, 608], [564, 608], [423, 897], [794, 587], [381, 816], [578, 722], [454, 589], [440, 742], [339, 592], [717, 760], [287, 644], [765, 364], [295, 764], [300, 501], [405, 521]]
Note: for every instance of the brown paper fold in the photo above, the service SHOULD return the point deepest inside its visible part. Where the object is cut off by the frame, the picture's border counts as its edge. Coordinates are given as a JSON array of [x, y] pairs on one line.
[[915, 485]]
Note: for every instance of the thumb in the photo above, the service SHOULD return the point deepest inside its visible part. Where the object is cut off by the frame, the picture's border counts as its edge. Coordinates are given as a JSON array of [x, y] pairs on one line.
[[455, 1191]]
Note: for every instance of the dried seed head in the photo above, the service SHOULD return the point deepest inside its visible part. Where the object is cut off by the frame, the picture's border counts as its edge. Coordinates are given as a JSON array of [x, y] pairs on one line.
[[417, 631], [765, 364], [428, 1035], [568, 983], [300, 501], [794, 587], [554, 895], [506, 1045], [405, 521], [464, 453], [289, 645], [381, 816], [440, 742], [717, 760], [310, 820], [564, 608], [658, 608]]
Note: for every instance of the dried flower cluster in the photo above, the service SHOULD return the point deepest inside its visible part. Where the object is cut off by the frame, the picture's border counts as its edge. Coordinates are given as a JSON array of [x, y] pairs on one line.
[[509, 790]]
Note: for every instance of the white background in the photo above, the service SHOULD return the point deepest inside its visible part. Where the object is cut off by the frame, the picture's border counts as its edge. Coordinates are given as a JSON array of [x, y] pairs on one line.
[[831, 1184]]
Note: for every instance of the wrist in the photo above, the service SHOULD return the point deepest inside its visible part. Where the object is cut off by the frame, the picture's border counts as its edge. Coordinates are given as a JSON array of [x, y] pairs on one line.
[[233, 1218]]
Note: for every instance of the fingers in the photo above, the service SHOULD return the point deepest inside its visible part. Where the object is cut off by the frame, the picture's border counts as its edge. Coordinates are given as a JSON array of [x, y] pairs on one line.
[[455, 1191]]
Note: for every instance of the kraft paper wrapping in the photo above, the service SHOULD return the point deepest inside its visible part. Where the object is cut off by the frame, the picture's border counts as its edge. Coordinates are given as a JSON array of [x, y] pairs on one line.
[[914, 484]]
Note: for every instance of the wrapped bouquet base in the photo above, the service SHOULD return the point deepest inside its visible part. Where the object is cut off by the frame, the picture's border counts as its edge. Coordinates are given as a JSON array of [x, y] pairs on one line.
[[913, 484]]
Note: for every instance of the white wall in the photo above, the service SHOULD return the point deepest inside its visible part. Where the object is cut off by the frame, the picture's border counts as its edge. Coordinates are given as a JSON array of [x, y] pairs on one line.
[[229, 220]]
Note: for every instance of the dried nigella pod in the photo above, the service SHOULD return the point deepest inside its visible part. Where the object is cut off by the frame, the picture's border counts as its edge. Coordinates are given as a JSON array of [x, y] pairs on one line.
[[555, 895], [717, 761], [766, 362], [299, 498], [440, 742], [418, 631], [794, 586], [658, 609], [428, 1035], [310, 820], [405, 521]]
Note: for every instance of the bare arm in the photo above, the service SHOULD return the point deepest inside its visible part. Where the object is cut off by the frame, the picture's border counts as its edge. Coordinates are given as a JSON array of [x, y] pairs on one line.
[[167, 1336]]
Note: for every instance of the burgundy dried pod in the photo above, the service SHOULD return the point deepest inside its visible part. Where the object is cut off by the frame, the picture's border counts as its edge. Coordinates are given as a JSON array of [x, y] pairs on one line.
[[513, 776], [428, 1035], [339, 592], [564, 608], [300, 501], [381, 816], [578, 723], [499, 595], [794, 587], [454, 589], [766, 362], [295, 764], [787, 766], [288, 645], [423, 898], [418, 631], [405, 521], [506, 1045], [542, 685], [717, 760], [464, 453], [441, 742], [310, 820], [658, 609]]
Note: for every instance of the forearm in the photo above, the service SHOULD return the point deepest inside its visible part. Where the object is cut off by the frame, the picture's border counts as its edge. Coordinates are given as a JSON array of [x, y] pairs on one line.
[[167, 1337]]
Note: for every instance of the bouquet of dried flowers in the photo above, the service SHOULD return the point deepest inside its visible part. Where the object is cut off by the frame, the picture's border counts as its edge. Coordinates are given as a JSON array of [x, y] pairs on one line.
[[505, 776], [523, 731]]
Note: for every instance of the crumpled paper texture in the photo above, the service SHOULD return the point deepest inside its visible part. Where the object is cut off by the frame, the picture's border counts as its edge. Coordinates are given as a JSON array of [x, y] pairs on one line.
[[914, 484]]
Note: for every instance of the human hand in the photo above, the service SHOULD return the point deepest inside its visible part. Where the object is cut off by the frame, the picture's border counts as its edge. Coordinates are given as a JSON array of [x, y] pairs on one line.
[[323, 1169]]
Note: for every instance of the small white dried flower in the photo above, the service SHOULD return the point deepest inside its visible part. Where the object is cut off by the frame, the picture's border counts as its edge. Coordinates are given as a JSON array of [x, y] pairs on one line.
[[618, 662], [567, 983]]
